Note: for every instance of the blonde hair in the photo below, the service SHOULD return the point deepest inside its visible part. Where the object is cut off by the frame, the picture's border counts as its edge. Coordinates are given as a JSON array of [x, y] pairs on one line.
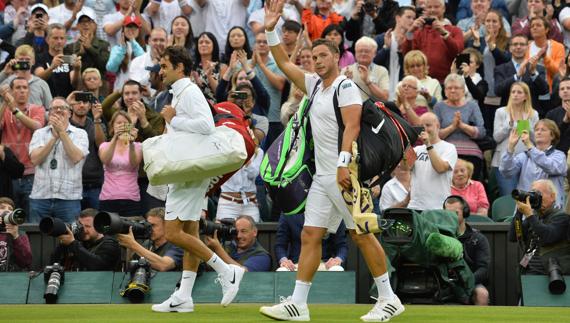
[[415, 57], [25, 50], [527, 106], [469, 165], [91, 70]]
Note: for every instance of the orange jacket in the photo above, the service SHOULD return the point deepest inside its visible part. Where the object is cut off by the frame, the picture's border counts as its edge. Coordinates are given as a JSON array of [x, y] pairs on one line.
[[316, 23], [554, 55]]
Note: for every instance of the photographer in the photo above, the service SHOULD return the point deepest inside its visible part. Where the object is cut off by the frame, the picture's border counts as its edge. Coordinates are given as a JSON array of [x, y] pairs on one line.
[[161, 254], [541, 231], [95, 252], [15, 250], [244, 250], [370, 18]]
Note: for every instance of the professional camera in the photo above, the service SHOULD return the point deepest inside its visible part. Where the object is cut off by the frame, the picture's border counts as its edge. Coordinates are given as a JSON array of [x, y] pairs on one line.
[[226, 229], [54, 278], [556, 283], [139, 285], [55, 227], [111, 223], [16, 217], [535, 197]]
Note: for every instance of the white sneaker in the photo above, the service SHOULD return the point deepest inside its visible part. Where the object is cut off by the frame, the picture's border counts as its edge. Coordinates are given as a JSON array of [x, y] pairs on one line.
[[230, 284], [286, 311], [384, 310], [174, 304]]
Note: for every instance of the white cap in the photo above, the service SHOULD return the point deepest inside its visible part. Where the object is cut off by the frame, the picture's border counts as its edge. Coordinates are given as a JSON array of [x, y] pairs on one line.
[[86, 11], [39, 6]]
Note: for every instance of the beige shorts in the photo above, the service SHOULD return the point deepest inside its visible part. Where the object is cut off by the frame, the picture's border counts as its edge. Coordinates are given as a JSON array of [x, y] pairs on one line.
[[325, 206]]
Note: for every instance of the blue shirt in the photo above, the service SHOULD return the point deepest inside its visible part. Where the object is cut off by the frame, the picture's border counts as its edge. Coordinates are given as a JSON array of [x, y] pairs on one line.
[[260, 262]]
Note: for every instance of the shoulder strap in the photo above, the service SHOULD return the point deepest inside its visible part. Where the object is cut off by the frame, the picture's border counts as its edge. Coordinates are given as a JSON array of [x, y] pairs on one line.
[[338, 114]]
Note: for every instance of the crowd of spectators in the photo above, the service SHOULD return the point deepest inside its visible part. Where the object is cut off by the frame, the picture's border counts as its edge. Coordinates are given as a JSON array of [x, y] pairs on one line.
[[80, 90]]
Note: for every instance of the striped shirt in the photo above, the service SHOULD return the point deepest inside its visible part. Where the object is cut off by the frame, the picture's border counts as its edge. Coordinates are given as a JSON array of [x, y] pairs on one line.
[[65, 181]]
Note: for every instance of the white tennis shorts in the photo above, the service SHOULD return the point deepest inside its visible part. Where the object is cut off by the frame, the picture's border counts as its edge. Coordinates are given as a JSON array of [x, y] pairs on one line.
[[325, 206], [185, 201]]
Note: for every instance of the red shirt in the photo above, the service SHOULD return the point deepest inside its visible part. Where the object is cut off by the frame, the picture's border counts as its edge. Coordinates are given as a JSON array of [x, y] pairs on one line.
[[17, 137], [440, 52]]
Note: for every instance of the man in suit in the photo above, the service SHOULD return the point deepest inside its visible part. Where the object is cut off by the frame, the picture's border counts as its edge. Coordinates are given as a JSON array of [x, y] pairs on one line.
[[525, 70]]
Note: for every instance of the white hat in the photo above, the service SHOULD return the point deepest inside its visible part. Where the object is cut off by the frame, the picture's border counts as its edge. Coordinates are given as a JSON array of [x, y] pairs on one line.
[[88, 12], [39, 6]]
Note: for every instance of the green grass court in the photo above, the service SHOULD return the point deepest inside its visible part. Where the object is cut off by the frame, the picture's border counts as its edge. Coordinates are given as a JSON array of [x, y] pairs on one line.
[[210, 313]]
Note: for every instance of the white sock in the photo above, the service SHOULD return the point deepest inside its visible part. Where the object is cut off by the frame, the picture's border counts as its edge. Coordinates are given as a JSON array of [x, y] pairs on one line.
[[218, 264], [186, 285], [301, 292], [384, 288]]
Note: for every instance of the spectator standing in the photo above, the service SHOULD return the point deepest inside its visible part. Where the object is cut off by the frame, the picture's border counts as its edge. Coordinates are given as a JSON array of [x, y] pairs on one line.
[[37, 29], [440, 41], [123, 54], [58, 152], [157, 44], [371, 78], [113, 23], [66, 14], [323, 15], [537, 8], [370, 18], [429, 92], [92, 174], [407, 92], [518, 109], [461, 122], [18, 121], [550, 52], [561, 115], [17, 13], [181, 34], [335, 33], [433, 169], [62, 73], [220, 16], [10, 169], [207, 66], [162, 13]]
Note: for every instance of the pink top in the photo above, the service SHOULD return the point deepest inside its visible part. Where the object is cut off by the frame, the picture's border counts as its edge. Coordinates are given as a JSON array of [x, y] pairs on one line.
[[120, 181], [17, 137], [346, 59], [474, 194]]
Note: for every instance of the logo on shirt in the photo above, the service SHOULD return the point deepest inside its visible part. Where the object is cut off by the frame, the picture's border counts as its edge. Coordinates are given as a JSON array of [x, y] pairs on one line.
[[346, 85], [423, 156], [376, 129]]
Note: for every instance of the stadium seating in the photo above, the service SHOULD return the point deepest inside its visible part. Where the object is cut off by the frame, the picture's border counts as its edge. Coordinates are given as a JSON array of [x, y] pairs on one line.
[[503, 209]]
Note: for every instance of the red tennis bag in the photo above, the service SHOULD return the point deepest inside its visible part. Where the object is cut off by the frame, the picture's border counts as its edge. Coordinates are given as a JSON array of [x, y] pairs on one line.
[[232, 116]]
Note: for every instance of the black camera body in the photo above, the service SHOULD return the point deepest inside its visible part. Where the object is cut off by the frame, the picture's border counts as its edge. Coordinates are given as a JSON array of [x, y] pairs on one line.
[[226, 229], [535, 197], [21, 66], [55, 227], [85, 97], [429, 20], [139, 285], [54, 277], [16, 217], [111, 223]]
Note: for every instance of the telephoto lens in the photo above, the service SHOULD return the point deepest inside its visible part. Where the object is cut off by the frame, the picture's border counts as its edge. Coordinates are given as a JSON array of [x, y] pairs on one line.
[[556, 283], [54, 278]]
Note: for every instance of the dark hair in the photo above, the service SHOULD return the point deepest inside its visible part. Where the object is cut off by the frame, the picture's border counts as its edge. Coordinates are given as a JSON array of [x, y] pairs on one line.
[[215, 49], [7, 200], [402, 10], [132, 82], [88, 213], [566, 78], [330, 28], [189, 41], [229, 49], [242, 86], [18, 78], [291, 25], [329, 43], [179, 55]]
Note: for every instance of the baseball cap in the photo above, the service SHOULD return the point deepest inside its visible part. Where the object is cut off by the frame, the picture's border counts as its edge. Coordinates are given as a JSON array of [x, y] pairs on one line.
[[86, 12], [154, 68], [132, 19], [39, 6]]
